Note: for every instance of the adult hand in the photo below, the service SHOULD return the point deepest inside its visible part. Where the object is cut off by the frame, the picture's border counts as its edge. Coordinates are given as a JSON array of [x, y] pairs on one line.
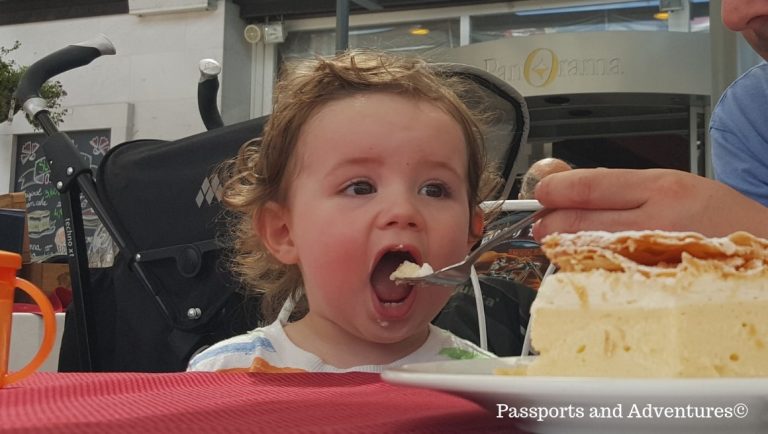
[[664, 199]]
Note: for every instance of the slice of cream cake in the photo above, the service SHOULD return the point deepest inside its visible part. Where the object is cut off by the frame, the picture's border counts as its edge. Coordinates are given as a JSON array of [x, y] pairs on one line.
[[652, 304]]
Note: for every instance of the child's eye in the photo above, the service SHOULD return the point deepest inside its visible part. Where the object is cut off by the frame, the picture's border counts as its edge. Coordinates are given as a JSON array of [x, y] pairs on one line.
[[434, 190], [359, 188]]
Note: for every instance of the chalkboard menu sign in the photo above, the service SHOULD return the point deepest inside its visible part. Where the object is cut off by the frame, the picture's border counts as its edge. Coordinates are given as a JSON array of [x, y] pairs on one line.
[[44, 213]]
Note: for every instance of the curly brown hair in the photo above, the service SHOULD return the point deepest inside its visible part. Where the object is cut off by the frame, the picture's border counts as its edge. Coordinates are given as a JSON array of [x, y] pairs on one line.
[[261, 171]]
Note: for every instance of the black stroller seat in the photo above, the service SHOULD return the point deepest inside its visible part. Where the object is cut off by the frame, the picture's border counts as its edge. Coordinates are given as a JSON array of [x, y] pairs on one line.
[[164, 198]]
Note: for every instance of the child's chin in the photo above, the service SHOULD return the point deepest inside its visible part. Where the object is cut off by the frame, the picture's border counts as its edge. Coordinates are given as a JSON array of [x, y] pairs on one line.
[[382, 332]]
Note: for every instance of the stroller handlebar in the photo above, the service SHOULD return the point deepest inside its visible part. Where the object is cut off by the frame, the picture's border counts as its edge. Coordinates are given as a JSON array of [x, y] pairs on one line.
[[27, 94], [207, 90], [209, 70]]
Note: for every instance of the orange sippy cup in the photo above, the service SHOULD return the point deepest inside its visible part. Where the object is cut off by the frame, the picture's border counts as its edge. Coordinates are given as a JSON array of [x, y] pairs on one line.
[[10, 263]]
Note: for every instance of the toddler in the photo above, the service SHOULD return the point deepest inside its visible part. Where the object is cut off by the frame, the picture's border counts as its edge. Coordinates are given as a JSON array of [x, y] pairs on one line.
[[367, 160]]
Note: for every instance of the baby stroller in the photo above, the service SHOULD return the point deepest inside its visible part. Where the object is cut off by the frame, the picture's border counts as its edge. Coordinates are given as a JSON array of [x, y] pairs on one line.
[[169, 293]]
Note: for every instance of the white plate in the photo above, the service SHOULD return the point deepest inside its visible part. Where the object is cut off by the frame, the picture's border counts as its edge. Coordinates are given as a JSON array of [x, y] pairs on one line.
[[627, 404]]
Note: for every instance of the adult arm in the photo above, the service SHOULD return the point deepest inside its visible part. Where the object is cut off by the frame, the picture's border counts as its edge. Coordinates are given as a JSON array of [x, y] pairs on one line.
[[664, 199]]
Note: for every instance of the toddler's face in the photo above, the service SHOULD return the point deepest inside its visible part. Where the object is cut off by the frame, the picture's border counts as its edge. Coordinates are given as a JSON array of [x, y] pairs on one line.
[[379, 178]]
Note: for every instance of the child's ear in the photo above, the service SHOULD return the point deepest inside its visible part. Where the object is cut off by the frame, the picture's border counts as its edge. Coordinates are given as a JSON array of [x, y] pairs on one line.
[[271, 225], [476, 226]]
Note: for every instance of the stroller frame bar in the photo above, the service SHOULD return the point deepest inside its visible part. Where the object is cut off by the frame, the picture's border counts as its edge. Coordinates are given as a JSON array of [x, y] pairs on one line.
[[72, 176]]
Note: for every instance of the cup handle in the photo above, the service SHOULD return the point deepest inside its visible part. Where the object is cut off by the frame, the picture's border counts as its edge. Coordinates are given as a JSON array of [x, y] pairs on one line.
[[49, 334]]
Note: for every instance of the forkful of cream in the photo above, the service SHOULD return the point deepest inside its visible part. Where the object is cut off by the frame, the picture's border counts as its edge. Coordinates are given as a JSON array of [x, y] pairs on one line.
[[409, 273]]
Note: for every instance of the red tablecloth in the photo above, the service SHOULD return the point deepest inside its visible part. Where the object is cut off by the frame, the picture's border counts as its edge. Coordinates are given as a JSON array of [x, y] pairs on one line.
[[233, 402]]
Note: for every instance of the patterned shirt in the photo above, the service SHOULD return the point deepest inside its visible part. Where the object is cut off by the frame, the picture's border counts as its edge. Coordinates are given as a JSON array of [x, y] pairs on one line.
[[268, 349]]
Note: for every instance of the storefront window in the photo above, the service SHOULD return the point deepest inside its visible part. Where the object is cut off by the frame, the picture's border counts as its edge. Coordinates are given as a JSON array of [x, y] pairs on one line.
[[622, 16], [426, 39], [429, 38]]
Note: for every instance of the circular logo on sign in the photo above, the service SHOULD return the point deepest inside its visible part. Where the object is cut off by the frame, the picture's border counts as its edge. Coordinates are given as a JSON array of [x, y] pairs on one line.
[[541, 67]]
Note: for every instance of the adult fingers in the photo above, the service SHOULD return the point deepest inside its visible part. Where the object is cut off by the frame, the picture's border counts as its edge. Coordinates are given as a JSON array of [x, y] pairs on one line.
[[574, 220], [596, 189]]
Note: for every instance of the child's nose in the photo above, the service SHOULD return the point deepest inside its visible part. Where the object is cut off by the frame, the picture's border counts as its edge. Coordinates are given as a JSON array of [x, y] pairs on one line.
[[402, 213]]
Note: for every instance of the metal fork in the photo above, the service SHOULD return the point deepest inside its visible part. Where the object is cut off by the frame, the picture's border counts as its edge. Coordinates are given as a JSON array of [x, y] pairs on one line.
[[457, 274]]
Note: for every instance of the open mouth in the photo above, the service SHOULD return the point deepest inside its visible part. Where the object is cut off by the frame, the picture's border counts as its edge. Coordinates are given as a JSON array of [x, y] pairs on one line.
[[387, 291]]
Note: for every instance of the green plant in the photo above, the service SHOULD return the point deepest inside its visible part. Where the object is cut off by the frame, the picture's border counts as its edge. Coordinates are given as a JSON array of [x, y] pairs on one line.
[[10, 74]]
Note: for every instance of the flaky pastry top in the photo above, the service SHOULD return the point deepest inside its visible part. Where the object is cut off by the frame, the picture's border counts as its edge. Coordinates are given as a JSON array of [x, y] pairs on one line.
[[657, 252]]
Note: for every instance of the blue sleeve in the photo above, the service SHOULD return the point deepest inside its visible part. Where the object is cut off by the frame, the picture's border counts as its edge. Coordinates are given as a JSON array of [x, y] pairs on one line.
[[739, 135]]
